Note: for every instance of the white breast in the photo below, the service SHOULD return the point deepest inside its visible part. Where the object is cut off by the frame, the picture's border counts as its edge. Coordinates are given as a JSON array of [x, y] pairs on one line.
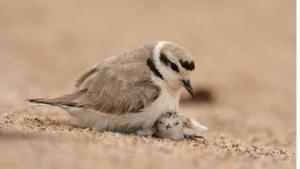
[[166, 102]]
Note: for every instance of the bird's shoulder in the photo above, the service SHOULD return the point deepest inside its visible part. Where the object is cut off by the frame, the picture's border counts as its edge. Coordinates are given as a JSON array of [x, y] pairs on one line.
[[129, 65]]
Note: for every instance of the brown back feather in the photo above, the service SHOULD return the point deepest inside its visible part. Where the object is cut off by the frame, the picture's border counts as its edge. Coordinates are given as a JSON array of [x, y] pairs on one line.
[[118, 85]]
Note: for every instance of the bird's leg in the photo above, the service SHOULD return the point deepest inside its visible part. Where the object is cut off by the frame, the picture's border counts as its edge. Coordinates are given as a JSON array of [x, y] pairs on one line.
[[190, 136]]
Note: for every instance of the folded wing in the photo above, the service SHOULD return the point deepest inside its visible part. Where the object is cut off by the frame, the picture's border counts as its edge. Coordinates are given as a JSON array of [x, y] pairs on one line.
[[119, 85]]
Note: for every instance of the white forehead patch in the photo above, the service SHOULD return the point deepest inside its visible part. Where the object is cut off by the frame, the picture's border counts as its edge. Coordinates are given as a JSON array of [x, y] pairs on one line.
[[157, 48]]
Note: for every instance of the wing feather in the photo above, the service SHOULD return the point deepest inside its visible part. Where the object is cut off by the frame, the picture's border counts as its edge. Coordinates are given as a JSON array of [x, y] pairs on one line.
[[120, 84]]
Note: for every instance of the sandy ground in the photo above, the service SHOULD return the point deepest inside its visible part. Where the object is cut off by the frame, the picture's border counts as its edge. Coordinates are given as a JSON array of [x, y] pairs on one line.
[[245, 58]]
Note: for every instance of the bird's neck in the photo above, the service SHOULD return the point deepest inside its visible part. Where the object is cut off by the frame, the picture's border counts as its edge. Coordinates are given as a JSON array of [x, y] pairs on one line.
[[169, 94], [171, 98]]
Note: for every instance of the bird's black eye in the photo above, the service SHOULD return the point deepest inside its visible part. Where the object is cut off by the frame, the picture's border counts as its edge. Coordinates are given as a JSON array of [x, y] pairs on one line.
[[177, 123], [174, 67], [160, 122], [164, 59]]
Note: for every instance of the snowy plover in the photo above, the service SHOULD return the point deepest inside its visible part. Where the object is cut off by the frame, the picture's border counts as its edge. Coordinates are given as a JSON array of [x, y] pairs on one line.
[[129, 91]]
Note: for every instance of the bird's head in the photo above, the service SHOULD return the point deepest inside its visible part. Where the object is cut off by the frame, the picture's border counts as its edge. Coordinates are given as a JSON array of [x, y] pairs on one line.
[[175, 65]]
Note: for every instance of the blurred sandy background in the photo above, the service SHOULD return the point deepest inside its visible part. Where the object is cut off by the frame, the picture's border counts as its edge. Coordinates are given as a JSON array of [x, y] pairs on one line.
[[244, 53]]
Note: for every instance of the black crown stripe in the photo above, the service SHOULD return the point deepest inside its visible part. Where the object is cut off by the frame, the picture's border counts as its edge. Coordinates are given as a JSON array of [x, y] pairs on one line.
[[188, 65]]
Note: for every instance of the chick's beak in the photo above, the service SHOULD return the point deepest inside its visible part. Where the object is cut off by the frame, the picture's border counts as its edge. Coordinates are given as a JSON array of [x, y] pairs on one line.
[[187, 85]]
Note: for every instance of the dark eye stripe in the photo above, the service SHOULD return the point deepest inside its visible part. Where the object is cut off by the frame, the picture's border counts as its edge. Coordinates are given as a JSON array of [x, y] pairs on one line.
[[174, 67], [188, 65], [163, 58]]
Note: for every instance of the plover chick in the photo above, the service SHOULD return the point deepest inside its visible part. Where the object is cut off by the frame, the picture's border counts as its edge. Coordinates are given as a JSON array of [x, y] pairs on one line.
[[175, 126]]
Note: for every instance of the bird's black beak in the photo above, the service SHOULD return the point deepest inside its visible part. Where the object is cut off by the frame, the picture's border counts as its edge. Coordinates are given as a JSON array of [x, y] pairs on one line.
[[187, 85]]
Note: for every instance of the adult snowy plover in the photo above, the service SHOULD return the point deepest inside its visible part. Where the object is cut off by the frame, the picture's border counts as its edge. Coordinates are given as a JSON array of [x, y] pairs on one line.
[[129, 91], [175, 126]]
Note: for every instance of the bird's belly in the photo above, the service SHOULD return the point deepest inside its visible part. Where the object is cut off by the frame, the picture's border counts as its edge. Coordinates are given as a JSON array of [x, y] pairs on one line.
[[126, 123]]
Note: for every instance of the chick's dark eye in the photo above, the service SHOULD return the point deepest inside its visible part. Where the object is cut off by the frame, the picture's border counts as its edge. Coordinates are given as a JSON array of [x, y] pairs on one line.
[[177, 123], [174, 67]]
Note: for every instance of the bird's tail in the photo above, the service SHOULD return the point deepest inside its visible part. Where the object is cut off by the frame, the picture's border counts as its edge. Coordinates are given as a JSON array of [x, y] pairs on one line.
[[70, 100], [54, 102]]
